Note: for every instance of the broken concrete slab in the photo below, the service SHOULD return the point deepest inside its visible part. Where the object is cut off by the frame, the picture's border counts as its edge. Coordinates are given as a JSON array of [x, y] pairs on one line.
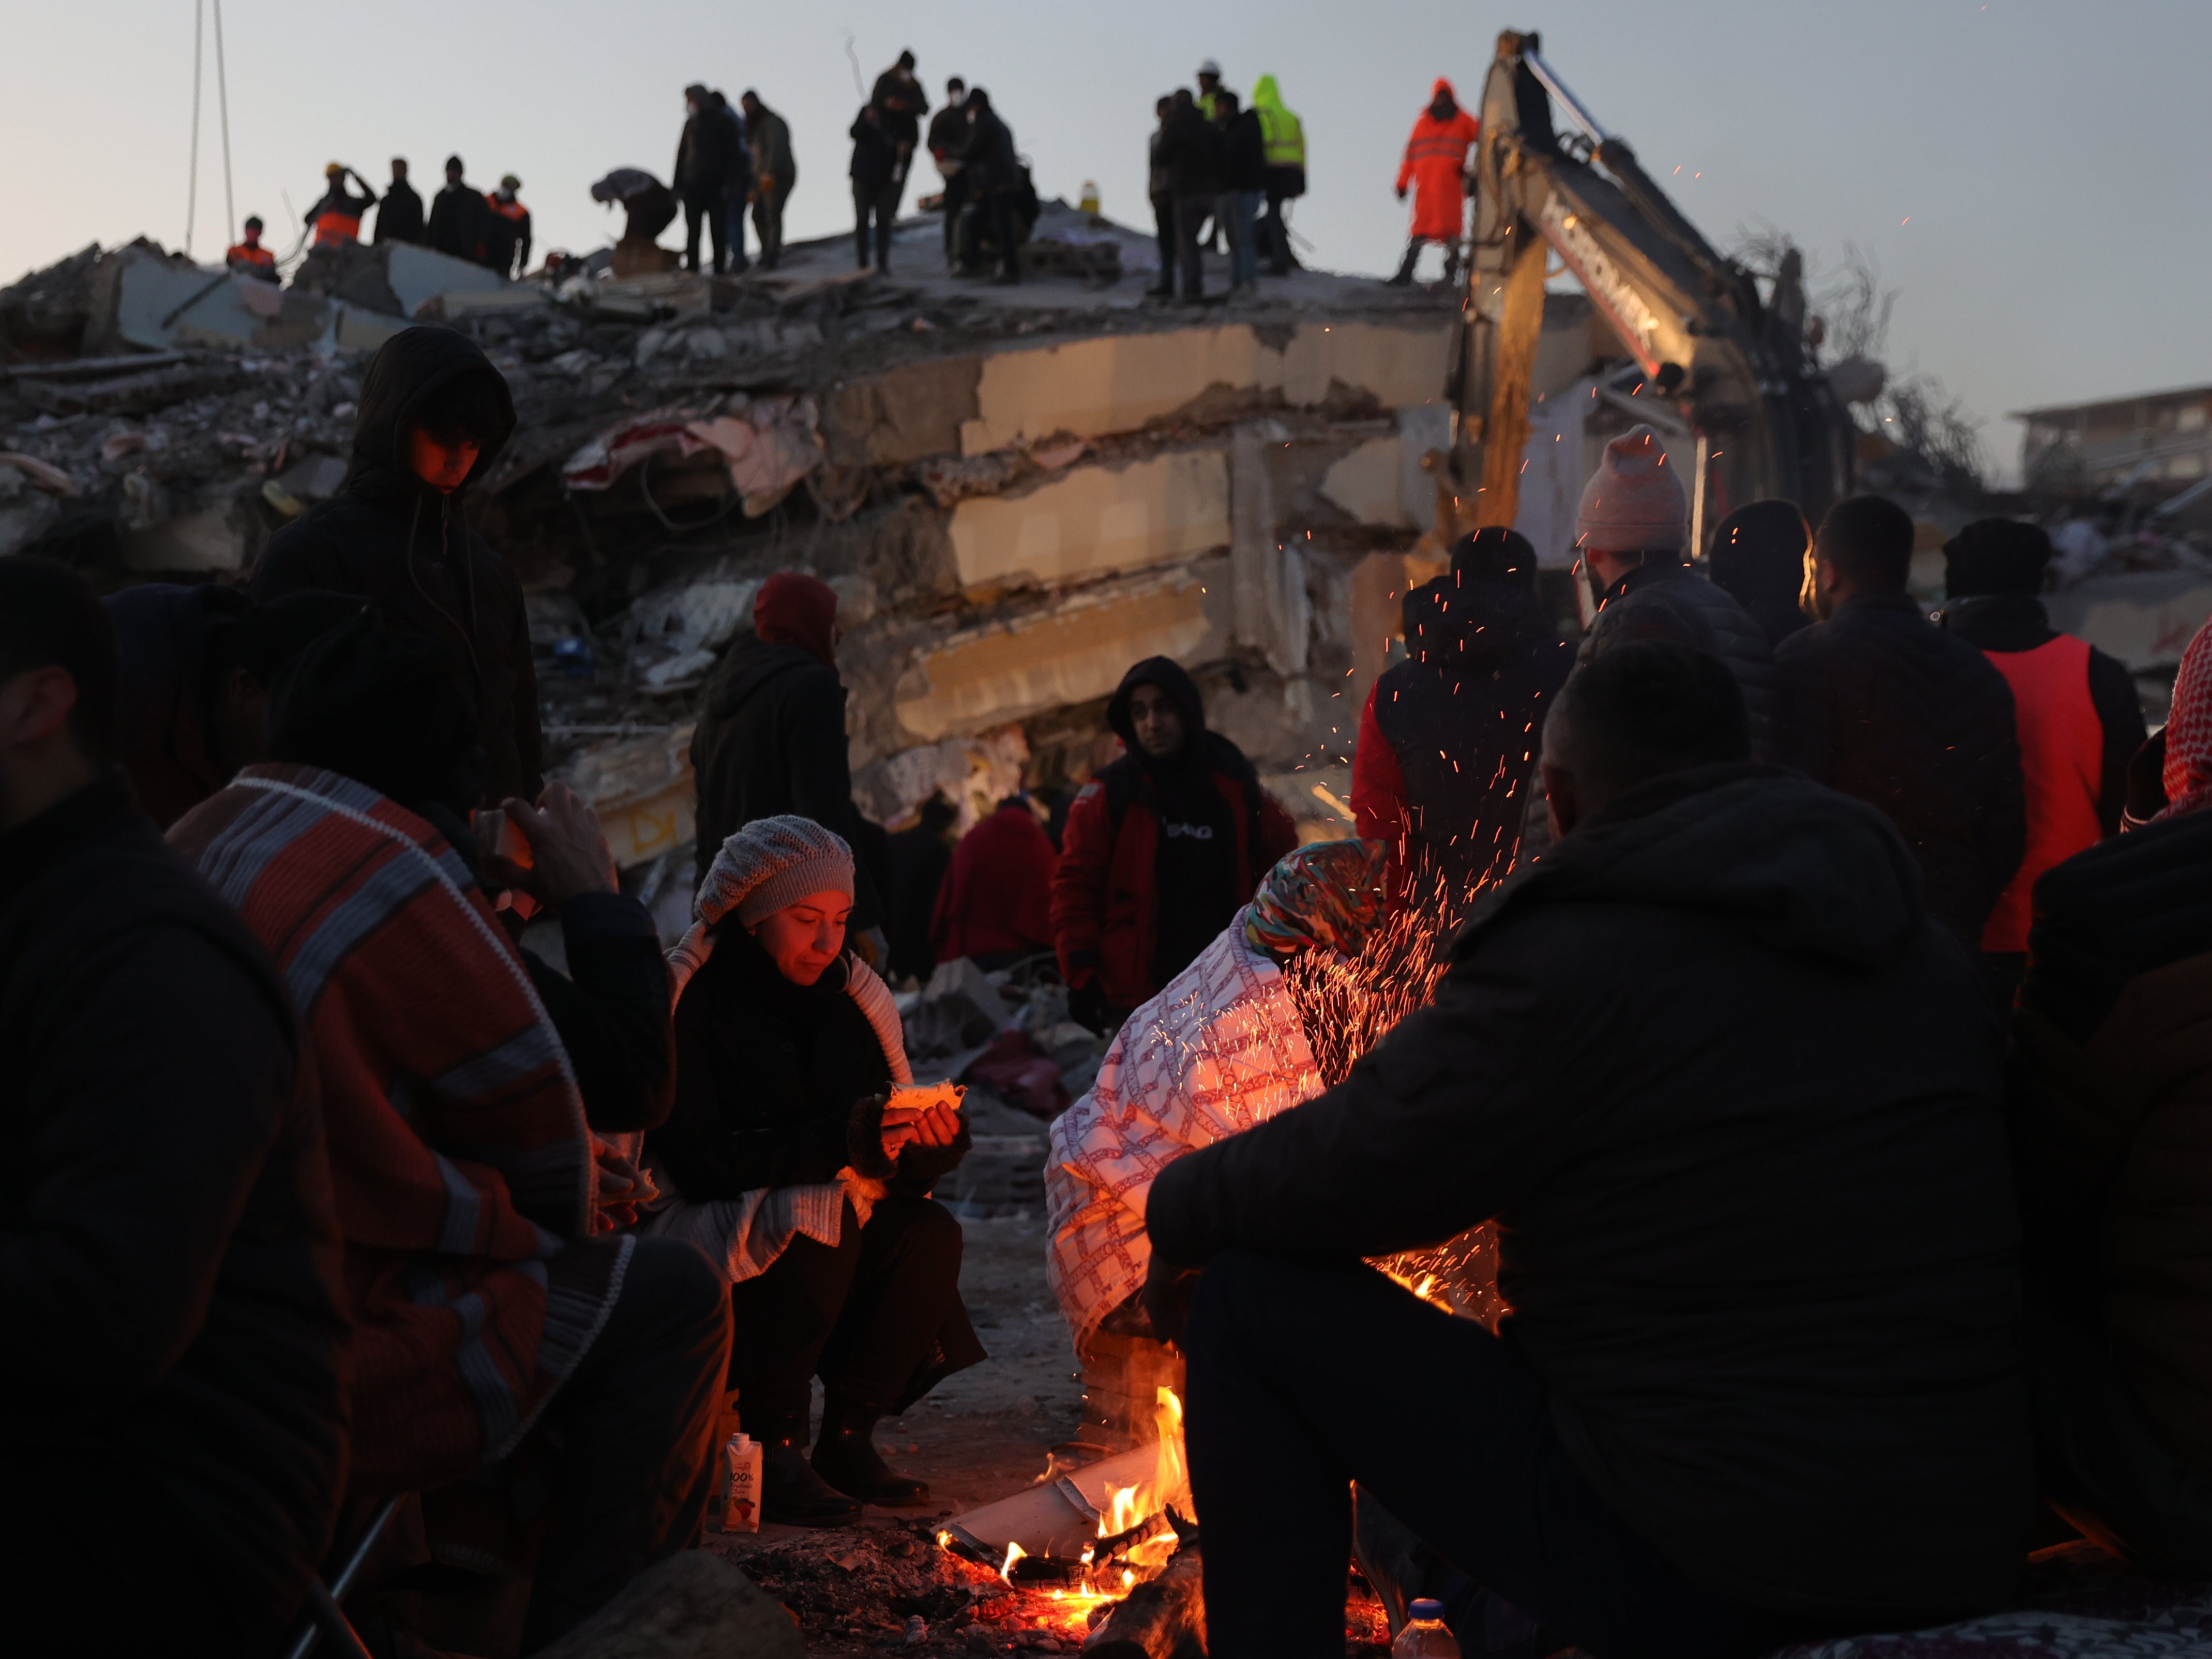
[[220, 537], [2145, 618], [974, 773], [1095, 520], [1123, 382], [1369, 484], [905, 414], [643, 790], [418, 274], [1072, 653]]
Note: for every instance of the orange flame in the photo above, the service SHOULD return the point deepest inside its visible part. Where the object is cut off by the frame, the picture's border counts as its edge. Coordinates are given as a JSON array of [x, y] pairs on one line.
[[1014, 1552]]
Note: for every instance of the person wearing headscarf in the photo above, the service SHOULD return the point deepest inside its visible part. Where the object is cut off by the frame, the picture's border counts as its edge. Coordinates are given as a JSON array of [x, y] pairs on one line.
[[1759, 557], [435, 416], [1448, 740], [1159, 849], [771, 736], [2112, 1118], [800, 1173]]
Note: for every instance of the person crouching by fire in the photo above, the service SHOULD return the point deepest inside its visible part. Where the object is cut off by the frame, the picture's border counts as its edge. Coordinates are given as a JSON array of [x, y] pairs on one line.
[[803, 1167], [1733, 1100]]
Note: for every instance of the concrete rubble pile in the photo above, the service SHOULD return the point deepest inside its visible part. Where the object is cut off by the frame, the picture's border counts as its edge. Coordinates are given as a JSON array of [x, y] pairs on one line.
[[1016, 492]]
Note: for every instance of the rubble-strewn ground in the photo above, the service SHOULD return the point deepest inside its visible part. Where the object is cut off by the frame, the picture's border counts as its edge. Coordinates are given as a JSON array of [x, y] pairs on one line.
[[983, 1435]]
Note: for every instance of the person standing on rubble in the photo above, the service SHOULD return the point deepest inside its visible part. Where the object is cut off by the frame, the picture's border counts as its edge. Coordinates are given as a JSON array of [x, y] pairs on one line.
[[1191, 149], [898, 99], [1448, 740], [399, 215], [177, 1336], [770, 740], [875, 188], [1704, 1430], [435, 413], [1283, 139], [995, 187], [460, 223], [2076, 709], [740, 180], [703, 162], [248, 257], [1160, 849], [948, 140], [506, 248], [995, 903], [1436, 167], [1161, 184], [775, 172], [336, 216], [1244, 182]]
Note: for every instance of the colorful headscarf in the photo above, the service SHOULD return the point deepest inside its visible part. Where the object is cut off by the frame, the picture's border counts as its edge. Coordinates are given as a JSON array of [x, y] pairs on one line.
[[1326, 894], [2188, 775]]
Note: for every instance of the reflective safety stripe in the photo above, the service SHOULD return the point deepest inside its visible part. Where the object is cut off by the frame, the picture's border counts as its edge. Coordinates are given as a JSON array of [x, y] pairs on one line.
[[335, 227]]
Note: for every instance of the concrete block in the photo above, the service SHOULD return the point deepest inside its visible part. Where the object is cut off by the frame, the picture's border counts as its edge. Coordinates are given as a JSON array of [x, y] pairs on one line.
[[1267, 585], [1095, 521], [216, 537], [1421, 429], [364, 330], [1120, 382], [2145, 618], [1369, 484], [644, 791], [904, 414], [418, 274], [1076, 652]]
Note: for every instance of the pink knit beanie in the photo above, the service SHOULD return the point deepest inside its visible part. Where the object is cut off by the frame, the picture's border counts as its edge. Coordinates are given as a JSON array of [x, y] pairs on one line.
[[1633, 502]]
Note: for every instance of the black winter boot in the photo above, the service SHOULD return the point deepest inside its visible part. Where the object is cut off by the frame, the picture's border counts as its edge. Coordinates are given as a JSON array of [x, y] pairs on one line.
[[846, 1457], [792, 1494]]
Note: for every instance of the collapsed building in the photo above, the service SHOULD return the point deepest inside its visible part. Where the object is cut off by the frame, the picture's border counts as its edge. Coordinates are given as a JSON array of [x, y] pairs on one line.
[[1017, 493]]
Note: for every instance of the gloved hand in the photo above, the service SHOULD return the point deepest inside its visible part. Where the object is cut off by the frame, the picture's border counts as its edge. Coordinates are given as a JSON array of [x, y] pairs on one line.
[[2147, 779], [1402, 193], [1086, 1006]]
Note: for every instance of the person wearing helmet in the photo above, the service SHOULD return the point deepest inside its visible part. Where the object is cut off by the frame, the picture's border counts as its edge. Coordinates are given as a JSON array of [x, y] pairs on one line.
[[506, 240], [336, 216], [248, 257]]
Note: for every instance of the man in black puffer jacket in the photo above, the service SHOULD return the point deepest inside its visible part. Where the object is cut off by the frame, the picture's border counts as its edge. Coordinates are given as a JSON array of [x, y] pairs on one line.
[[1447, 741], [1631, 531], [1762, 1374], [435, 413], [176, 1334], [1881, 703]]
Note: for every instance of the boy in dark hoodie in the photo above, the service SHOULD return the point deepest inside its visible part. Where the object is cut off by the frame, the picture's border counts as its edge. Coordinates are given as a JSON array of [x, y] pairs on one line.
[[1160, 849], [434, 415], [1447, 741]]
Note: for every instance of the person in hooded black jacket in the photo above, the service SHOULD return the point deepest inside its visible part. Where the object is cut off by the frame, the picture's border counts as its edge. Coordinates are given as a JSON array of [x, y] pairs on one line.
[[1160, 848], [1757, 558], [771, 734], [1733, 1099], [395, 535], [1447, 741], [1878, 701]]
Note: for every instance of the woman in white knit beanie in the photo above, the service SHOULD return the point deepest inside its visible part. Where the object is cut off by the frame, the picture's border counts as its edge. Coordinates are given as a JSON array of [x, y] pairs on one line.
[[792, 1172]]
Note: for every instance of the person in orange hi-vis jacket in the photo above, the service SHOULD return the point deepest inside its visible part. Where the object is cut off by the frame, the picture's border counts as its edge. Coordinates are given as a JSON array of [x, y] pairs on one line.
[[1436, 166]]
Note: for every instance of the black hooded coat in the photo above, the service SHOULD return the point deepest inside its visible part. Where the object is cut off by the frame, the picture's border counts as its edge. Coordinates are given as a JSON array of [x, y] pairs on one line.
[[1158, 854], [1448, 740], [393, 540], [771, 740], [1665, 600], [1735, 1102]]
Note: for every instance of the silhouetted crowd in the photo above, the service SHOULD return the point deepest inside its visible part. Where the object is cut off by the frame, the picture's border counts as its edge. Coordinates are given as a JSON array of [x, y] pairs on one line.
[[1823, 1051]]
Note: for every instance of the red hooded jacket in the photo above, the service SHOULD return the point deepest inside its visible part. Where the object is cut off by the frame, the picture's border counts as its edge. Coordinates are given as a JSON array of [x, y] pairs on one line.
[[997, 892], [1435, 164]]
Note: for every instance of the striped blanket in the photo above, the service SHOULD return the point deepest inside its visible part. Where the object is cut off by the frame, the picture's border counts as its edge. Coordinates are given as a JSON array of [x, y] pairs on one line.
[[462, 1166]]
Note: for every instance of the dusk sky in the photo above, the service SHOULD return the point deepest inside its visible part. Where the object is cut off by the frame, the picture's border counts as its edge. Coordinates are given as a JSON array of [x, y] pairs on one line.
[[2023, 171]]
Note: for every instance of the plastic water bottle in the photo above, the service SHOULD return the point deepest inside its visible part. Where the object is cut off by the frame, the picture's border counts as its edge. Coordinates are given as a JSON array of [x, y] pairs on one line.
[[1425, 1636], [1088, 202]]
